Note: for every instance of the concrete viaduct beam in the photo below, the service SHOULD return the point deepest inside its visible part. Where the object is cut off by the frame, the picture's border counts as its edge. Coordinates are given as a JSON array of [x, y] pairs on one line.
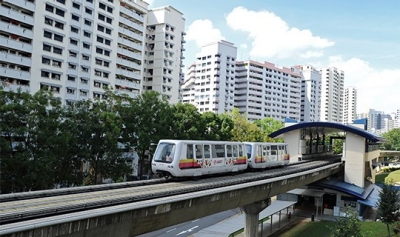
[[145, 216]]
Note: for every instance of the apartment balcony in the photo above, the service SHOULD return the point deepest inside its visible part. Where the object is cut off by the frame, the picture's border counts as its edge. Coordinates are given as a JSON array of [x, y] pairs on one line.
[[23, 4], [18, 45], [132, 94], [126, 73], [86, 50], [131, 23], [132, 14], [130, 44], [70, 83], [13, 58], [127, 83], [130, 54], [130, 34], [74, 47], [16, 30], [128, 63], [69, 96], [14, 73], [7, 86], [16, 15]]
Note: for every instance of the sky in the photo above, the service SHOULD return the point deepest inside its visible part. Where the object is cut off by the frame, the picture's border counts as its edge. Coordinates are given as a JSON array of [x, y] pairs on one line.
[[360, 37]]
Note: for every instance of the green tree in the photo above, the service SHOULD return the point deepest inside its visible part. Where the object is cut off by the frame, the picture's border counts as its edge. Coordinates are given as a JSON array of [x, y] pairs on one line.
[[217, 127], [187, 122], [99, 128], [348, 226], [14, 157], [393, 136], [147, 119], [388, 205], [244, 130], [268, 126]]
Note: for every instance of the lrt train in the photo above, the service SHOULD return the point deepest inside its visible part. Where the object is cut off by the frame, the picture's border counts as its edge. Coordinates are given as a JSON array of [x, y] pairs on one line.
[[195, 158]]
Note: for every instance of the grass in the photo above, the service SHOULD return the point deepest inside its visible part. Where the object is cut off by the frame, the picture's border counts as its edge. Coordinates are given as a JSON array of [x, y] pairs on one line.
[[380, 178], [321, 229], [395, 176]]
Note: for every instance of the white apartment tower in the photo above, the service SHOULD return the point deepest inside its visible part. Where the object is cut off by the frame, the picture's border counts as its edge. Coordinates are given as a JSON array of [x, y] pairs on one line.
[[397, 119], [263, 90], [332, 94], [76, 48], [350, 105], [310, 94], [164, 52], [209, 84]]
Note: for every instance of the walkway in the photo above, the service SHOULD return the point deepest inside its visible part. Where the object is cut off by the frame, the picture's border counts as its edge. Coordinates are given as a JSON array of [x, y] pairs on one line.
[[277, 213]]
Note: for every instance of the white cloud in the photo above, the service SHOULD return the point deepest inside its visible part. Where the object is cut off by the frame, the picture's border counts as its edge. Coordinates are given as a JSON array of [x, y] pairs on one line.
[[203, 32], [376, 89], [243, 46], [272, 37]]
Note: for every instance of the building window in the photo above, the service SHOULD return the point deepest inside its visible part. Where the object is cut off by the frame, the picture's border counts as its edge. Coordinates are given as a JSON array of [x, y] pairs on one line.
[[46, 47], [57, 50], [48, 21], [59, 25], [87, 22], [75, 30], [46, 61], [47, 34], [60, 12], [88, 11], [49, 8], [86, 46], [86, 34], [61, 1], [75, 17], [58, 37], [76, 5], [102, 6], [45, 74], [74, 42]]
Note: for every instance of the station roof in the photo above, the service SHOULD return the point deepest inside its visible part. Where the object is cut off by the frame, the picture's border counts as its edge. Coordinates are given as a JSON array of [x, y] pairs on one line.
[[368, 196], [328, 127]]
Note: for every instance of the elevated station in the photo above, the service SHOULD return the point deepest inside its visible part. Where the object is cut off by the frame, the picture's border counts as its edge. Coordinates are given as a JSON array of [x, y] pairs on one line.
[[355, 188]]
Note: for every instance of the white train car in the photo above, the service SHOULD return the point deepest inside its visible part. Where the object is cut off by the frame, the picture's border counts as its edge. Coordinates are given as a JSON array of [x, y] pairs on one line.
[[263, 155], [191, 158]]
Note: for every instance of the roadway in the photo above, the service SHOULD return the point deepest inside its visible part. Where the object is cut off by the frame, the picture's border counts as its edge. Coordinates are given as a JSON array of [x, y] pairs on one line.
[[189, 228]]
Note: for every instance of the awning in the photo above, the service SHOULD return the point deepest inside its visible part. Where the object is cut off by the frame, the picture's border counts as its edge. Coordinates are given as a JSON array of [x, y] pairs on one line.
[[307, 192]]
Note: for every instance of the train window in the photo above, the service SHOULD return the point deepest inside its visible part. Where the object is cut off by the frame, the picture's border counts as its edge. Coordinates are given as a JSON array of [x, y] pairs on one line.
[[228, 150], [241, 150], [199, 152], [248, 151], [219, 151], [265, 151], [207, 151], [165, 152], [189, 151], [235, 151], [274, 150]]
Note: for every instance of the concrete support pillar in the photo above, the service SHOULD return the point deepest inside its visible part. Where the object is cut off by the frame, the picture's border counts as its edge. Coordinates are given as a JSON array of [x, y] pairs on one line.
[[252, 216]]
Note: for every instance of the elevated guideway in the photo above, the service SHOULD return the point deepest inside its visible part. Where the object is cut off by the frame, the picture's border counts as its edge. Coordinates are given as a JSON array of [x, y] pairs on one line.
[[136, 210]]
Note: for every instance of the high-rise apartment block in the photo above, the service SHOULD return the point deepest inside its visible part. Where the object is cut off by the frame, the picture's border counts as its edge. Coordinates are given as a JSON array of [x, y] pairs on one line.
[[310, 93], [210, 82], [396, 119], [78, 48], [350, 105], [263, 90], [163, 52], [332, 94]]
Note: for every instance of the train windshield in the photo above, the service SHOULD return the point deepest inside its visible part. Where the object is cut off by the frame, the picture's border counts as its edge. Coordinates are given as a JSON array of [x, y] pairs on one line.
[[165, 152], [248, 151]]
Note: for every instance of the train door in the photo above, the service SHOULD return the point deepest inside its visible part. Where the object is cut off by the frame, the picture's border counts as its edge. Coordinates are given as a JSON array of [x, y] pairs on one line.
[[229, 155], [218, 154], [198, 148], [259, 155], [281, 152], [274, 153], [266, 153]]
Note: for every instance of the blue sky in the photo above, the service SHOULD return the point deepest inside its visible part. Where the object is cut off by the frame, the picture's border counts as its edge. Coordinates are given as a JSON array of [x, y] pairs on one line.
[[360, 37]]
